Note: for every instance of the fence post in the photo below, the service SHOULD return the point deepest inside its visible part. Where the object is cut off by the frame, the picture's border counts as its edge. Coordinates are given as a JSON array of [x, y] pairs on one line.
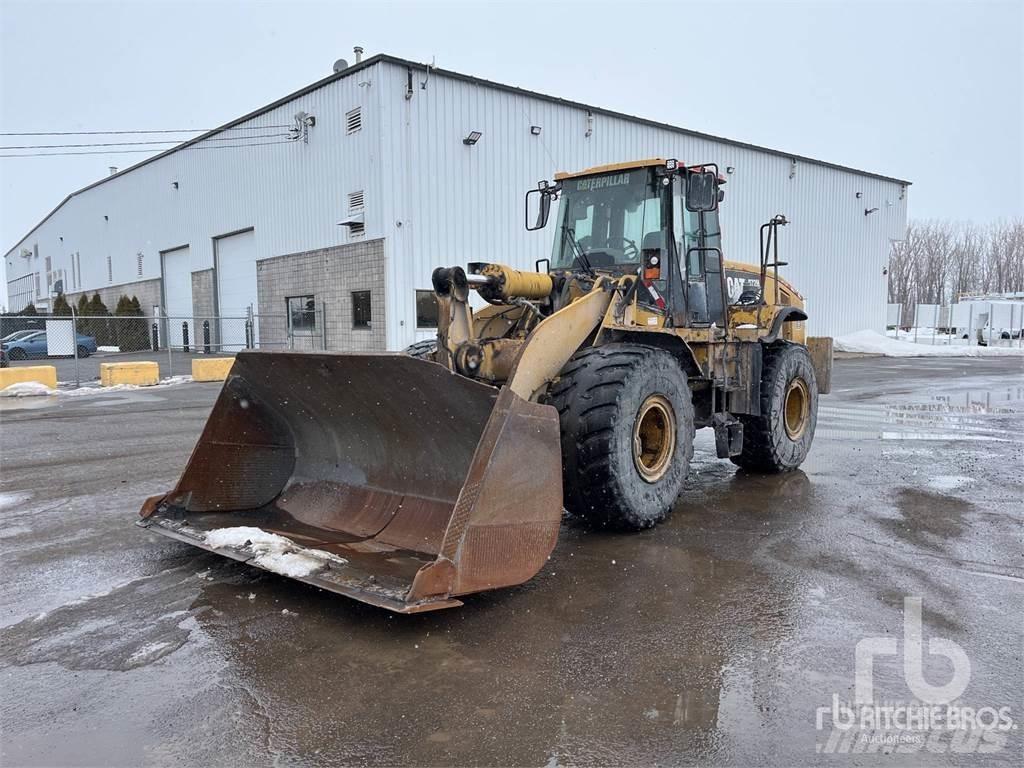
[[184, 336], [206, 337], [170, 345], [248, 333], [156, 337], [970, 323], [935, 323], [74, 336], [990, 321]]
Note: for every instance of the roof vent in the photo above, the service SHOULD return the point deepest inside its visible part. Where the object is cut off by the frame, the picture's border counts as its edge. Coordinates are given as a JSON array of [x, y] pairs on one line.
[[340, 64]]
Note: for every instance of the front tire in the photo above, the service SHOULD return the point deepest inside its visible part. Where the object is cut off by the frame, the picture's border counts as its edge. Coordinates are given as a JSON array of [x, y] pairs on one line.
[[779, 439], [626, 417]]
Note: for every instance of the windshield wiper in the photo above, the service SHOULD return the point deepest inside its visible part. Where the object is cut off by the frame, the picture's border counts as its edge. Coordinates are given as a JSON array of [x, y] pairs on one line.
[[577, 249]]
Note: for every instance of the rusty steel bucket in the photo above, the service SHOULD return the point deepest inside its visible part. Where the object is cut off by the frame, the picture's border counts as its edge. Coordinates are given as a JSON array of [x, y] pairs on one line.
[[378, 476]]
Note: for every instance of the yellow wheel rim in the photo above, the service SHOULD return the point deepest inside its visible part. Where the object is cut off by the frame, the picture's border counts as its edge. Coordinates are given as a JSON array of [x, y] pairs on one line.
[[796, 408], [654, 438]]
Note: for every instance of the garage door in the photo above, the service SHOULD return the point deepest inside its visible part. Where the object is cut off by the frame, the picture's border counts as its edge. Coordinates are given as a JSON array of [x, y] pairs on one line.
[[177, 274], [236, 287]]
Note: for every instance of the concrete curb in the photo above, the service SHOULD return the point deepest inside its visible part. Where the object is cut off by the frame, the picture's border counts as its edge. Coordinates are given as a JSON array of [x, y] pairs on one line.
[[43, 374], [211, 368], [142, 374]]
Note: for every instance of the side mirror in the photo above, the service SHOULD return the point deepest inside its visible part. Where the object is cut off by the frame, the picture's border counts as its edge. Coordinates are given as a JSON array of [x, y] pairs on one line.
[[538, 208], [701, 191]]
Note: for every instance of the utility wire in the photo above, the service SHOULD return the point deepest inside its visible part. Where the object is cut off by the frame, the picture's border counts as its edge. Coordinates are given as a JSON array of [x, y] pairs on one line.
[[131, 143], [154, 149], [166, 130]]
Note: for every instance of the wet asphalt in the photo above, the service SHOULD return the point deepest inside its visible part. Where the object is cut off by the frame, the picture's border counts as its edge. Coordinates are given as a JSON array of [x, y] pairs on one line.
[[712, 639]]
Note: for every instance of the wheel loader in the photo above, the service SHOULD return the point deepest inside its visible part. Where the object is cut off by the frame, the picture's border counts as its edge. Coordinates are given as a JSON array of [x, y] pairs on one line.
[[411, 480]]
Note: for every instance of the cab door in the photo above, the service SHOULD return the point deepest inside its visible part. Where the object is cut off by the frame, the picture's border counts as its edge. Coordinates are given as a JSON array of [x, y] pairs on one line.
[[699, 241]]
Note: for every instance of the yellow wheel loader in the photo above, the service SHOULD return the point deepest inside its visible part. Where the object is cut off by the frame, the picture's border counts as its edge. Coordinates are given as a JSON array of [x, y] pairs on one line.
[[410, 480]]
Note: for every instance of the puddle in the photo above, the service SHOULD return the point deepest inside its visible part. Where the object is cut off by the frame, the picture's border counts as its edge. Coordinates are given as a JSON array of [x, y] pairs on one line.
[[970, 415]]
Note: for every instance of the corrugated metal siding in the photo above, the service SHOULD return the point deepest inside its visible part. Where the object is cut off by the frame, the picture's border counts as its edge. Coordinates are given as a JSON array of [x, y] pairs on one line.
[[292, 194], [439, 202], [462, 203]]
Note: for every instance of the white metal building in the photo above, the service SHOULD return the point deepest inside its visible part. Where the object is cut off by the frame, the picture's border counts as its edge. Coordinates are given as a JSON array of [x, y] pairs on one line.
[[243, 216]]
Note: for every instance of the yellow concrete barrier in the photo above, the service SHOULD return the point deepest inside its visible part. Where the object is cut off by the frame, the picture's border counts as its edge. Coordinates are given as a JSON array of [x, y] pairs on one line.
[[211, 368], [143, 374], [43, 374]]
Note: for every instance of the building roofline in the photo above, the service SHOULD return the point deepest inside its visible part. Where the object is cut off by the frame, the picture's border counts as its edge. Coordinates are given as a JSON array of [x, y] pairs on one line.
[[388, 59]]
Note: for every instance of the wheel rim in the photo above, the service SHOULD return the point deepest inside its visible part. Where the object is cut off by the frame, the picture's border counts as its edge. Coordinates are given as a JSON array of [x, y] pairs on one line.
[[796, 408], [654, 438]]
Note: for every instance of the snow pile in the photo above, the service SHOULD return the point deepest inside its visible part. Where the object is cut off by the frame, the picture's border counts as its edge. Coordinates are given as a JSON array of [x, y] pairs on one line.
[[104, 348], [275, 553], [874, 343], [35, 389], [26, 389]]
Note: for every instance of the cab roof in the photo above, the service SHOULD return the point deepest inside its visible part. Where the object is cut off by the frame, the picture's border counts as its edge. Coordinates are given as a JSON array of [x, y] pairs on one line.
[[627, 166], [610, 167]]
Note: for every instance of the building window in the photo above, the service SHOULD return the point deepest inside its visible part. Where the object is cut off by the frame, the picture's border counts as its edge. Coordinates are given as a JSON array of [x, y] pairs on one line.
[[426, 309], [361, 310], [354, 120], [301, 314], [110, 269], [138, 262]]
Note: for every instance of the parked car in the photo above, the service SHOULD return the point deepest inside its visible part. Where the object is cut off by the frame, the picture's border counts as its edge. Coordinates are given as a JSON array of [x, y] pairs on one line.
[[33, 346], [18, 335]]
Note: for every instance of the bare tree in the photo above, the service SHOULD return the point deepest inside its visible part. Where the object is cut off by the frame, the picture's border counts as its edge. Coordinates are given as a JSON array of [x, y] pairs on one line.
[[939, 261]]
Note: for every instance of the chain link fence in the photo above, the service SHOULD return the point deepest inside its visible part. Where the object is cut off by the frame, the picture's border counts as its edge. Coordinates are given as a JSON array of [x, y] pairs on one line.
[[992, 323], [77, 345]]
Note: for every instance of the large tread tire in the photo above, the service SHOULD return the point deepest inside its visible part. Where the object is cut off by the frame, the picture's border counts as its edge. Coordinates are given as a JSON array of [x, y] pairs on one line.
[[767, 445], [599, 395], [422, 350]]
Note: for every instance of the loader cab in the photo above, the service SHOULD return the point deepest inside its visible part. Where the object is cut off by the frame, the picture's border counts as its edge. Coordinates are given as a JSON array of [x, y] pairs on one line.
[[658, 221]]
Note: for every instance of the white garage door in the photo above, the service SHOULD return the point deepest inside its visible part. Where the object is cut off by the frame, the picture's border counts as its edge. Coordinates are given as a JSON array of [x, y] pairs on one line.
[[177, 274], [236, 287]]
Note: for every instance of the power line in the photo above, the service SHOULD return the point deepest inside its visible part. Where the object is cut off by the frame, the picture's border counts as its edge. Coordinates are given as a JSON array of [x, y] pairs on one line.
[[165, 130], [131, 143], [154, 149]]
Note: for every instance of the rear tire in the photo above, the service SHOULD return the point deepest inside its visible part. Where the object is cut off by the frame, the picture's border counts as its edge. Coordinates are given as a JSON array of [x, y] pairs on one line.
[[83, 352], [17, 354], [422, 350], [779, 439], [626, 417]]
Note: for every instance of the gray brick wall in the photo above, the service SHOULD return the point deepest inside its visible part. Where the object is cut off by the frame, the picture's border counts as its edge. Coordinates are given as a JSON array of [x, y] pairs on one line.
[[330, 275], [203, 304], [147, 291]]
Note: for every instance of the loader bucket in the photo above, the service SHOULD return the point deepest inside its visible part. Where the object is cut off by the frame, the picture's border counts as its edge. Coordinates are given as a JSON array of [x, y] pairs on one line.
[[377, 476]]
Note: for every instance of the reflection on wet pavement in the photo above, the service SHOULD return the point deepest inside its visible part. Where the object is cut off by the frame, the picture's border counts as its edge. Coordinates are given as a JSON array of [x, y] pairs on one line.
[[711, 639]]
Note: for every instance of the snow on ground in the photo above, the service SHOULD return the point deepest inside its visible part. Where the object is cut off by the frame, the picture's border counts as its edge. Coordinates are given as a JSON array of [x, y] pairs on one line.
[[874, 343], [27, 389], [949, 482], [273, 552], [35, 389], [103, 348], [8, 500]]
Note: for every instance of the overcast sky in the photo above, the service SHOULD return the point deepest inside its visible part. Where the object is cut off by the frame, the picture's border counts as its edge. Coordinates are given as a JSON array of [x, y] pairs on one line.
[[927, 91]]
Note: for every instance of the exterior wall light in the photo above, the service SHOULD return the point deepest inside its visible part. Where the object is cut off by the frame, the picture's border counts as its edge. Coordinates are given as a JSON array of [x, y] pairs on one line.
[[473, 138], [535, 130]]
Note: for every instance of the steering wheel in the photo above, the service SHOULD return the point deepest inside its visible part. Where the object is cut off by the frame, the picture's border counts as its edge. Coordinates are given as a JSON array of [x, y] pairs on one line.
[[630, 251]]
